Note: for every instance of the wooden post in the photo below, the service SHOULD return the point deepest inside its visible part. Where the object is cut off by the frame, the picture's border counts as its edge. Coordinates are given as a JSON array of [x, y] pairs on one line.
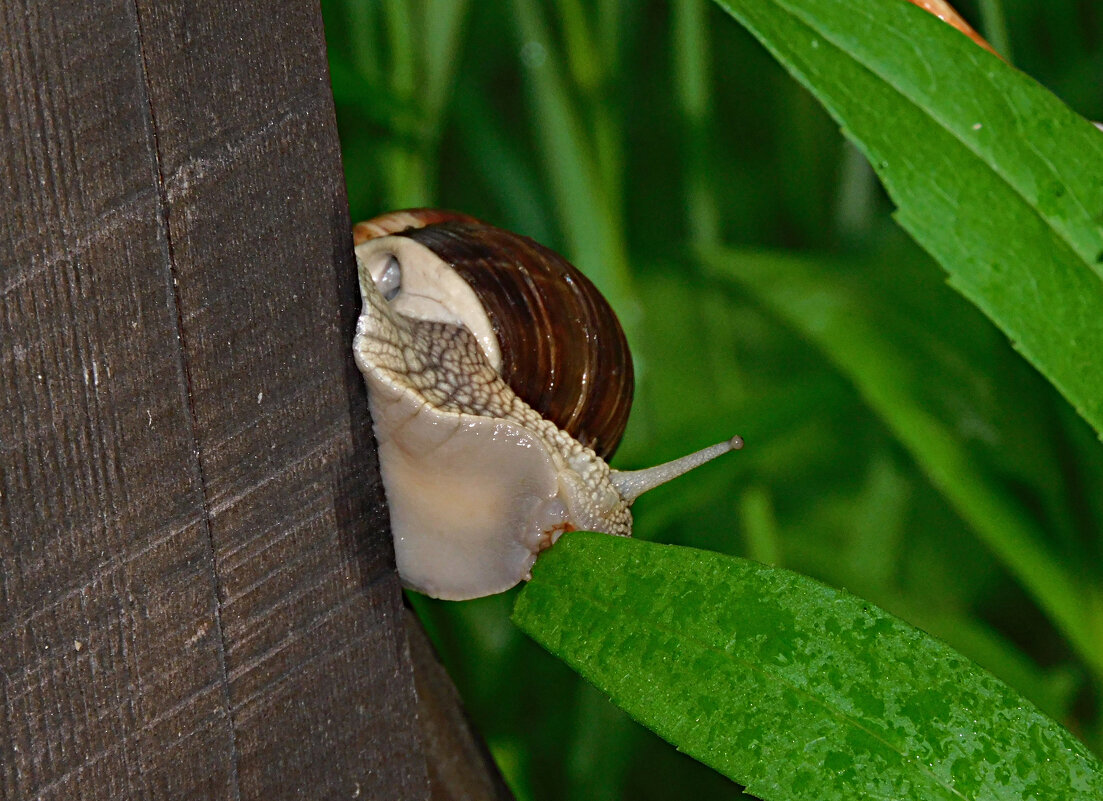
[[197, 596]]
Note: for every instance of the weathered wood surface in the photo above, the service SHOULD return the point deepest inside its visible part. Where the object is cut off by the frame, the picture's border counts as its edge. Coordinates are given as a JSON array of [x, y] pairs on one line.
[[197, 597]]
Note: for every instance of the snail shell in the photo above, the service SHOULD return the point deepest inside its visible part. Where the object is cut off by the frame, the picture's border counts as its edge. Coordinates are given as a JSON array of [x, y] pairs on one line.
[[499, 380], [581, 377]]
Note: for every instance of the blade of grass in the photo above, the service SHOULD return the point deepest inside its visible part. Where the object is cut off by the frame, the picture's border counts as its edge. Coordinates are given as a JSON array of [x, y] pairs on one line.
[[360, 26], [994, 26], [497, 159], [443, 22], [757, 514], [423, 42], [588, 209], [856, 200], [691, 73], [405, 171], [582, 55], [801, 292]]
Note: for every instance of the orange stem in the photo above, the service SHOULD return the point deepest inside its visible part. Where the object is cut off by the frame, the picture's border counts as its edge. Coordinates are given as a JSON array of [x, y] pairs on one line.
[[945, 12]]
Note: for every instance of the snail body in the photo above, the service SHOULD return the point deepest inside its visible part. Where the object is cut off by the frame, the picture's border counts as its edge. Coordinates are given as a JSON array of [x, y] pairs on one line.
[[499, 382]]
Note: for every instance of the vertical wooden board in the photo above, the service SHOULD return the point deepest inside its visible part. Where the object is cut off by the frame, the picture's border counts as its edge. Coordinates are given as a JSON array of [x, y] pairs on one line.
[[113, 682], [320, 685], [196, 597]]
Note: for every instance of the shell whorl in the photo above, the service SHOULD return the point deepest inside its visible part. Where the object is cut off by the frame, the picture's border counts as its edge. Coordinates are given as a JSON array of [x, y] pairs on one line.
[[563, 350]]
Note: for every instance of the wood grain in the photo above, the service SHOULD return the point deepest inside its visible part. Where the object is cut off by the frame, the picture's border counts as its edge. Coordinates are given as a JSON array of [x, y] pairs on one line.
[[197, 596]]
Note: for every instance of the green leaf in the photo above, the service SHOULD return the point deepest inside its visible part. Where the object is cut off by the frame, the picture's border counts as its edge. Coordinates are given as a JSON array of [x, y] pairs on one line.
[[992, 174], [794, 689]]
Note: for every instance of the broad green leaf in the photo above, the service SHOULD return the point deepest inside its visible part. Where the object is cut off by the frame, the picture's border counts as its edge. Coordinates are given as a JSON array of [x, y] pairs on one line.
[[992, 174], [794, 689]]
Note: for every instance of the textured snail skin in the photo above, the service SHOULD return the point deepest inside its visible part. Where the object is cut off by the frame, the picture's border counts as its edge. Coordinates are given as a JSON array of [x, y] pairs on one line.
[[477, 482], [498, 379]]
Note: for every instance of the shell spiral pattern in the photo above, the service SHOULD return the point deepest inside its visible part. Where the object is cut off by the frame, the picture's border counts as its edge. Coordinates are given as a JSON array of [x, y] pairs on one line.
[[563, 350]]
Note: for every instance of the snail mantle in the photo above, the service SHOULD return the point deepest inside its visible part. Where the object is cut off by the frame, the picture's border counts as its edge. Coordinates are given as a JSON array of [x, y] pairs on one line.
[[500, 381]]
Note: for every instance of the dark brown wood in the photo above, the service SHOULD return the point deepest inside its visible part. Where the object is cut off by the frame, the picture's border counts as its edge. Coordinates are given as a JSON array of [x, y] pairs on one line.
[[197, 596]]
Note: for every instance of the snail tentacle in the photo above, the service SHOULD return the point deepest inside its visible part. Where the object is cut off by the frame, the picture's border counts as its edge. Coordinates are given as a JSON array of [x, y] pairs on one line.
[[631, 484]]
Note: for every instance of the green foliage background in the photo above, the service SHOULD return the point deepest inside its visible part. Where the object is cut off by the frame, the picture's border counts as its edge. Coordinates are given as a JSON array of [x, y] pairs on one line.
[[660, 148]]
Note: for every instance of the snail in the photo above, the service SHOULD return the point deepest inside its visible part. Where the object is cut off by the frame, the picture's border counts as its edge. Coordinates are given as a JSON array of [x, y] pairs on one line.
[[499, 383]]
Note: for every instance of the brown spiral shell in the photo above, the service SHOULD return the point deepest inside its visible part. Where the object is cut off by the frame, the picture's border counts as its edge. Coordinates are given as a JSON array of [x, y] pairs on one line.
[[563, 350]]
